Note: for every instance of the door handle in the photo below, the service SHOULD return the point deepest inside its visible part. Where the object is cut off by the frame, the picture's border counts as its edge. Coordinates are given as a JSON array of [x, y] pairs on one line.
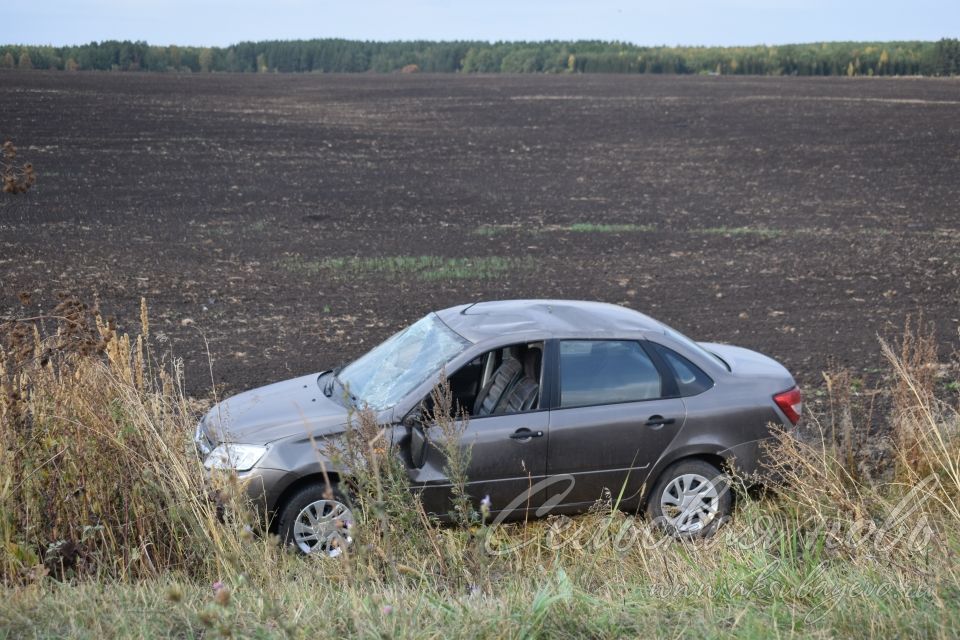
[[659, 421], [525, 434]]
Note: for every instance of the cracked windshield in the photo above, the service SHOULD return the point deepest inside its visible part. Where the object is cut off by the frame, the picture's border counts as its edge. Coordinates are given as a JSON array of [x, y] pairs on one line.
[[384, 375]]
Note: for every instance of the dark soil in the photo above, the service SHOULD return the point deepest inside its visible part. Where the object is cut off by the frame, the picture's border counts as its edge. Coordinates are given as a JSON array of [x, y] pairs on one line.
[[798, 217]]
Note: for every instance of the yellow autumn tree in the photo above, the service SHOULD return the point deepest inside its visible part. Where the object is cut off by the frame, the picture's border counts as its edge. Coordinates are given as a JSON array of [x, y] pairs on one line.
[[884, 62], [206, 60]]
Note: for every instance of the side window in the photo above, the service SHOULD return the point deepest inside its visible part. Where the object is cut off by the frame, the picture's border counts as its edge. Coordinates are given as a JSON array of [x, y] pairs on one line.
[[605, 372], [691, 379], [499, 382]]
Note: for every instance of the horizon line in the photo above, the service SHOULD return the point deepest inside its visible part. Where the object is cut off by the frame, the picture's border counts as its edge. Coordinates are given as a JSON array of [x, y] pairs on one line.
[[481, 41]]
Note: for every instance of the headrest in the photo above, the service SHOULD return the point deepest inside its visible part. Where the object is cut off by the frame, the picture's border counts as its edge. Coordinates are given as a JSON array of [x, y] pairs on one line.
[[531, 363]]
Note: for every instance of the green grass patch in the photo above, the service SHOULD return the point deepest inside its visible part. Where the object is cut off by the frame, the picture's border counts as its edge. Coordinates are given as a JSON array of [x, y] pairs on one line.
[[590, 227], [572, 593], [425, 268], [742, 231], [259, 225], [492, 230]]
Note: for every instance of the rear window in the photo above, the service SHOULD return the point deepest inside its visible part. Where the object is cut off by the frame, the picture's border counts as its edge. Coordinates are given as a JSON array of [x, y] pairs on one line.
[[691, 379], [596, 372], [694, 346]]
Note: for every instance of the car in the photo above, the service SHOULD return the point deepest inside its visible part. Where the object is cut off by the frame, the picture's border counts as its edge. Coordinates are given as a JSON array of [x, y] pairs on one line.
[[567, 402]]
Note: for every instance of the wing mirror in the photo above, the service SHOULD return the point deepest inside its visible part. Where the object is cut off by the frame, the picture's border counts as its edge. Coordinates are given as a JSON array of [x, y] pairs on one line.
[[414, 419]]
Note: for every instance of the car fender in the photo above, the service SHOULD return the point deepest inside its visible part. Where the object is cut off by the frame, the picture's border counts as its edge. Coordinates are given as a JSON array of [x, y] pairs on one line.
[[270, 486], [709, 449]]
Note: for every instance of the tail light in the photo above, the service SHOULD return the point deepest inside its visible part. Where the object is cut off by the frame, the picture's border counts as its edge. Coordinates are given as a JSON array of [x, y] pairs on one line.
[[791, 403]]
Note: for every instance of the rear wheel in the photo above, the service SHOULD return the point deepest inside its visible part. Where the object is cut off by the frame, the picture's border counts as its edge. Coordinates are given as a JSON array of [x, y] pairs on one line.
[[317, 519], [691, 499]]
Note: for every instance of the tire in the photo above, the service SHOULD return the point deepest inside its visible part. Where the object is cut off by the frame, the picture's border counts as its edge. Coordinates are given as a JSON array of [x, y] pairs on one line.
[[691, 499], [316, 520]]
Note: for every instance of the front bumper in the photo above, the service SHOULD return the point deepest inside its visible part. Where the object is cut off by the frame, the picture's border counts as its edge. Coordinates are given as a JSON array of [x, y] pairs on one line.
[[265, 486]]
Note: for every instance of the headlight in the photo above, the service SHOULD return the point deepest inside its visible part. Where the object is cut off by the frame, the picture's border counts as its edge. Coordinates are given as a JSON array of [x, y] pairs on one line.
[[240, 457]]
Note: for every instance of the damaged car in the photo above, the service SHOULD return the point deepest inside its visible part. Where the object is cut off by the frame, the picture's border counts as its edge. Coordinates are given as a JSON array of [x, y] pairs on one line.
[[567, 402]]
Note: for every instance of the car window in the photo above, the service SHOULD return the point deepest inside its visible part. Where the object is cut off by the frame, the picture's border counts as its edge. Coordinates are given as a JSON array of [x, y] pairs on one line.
[[694, 346], [691, 379], [604, 372], [385, 374], [500, 382]]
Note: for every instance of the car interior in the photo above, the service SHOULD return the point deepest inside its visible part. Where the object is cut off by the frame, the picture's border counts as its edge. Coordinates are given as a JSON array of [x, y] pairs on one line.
[[500, 382]]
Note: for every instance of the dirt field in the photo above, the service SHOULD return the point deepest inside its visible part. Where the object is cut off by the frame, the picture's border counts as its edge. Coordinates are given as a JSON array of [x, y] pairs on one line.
[[294, 221]]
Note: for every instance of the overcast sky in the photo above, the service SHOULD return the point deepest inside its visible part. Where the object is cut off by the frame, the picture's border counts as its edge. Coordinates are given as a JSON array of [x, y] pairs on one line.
[[707, 22]]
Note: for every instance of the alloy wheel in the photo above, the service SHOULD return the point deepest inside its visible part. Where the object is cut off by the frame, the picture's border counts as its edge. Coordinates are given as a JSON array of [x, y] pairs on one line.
[[323, 526], [690, 502]]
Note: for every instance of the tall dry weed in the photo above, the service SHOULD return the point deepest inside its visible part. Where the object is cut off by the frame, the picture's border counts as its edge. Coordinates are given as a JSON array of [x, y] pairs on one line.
[[16, 178], [97, 471], [822, 476]]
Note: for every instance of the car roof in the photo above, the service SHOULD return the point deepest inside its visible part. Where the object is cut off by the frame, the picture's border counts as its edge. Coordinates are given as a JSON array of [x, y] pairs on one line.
[[480, 321]]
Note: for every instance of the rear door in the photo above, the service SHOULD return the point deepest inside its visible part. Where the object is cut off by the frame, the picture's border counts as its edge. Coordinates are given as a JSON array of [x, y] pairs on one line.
[[615, 414]]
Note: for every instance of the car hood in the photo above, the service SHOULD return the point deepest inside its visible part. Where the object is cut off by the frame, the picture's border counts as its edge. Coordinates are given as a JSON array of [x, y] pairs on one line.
[[279, 410], [747, 363]]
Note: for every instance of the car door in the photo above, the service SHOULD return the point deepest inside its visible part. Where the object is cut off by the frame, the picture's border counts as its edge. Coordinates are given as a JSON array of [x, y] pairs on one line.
[[508, 455], [615, 414]]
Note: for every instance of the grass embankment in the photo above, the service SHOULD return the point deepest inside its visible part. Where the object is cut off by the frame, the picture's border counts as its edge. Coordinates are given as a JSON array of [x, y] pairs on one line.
[[106, 529]]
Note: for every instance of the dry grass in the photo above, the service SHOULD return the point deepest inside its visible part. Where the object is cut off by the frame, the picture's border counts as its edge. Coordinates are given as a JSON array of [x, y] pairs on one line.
[[98, 477], [16, 178], [107, 529]]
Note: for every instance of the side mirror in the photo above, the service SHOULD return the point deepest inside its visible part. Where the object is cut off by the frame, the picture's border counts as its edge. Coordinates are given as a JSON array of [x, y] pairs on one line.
[[415, 419], [419, 440]]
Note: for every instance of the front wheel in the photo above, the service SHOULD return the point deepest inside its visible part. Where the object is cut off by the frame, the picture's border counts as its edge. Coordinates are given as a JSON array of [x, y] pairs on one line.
[[316, 519], [691, 499]]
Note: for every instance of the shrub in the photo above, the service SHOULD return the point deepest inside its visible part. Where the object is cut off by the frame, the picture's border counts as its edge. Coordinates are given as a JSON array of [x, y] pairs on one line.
[[16, 178], [98, 475]]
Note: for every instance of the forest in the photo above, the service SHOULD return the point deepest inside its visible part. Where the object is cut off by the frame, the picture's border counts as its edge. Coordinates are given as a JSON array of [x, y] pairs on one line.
[[941, 58]]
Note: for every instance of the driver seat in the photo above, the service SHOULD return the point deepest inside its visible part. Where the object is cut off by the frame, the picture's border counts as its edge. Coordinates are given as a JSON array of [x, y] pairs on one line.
[[490, 397], [525, 393]]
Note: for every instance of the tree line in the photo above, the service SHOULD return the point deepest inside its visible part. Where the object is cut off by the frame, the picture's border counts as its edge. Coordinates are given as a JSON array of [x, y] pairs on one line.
[[354, 56]]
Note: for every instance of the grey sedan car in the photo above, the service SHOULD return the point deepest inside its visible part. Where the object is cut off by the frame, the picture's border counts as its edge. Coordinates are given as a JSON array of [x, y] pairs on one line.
[[568, 402]]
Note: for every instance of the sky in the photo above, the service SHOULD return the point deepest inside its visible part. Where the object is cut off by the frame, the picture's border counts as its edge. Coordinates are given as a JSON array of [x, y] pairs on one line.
[[670, 22]]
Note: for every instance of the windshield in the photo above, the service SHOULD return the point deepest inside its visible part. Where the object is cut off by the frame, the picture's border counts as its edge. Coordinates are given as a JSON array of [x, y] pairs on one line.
[[679, 337], [385, 374]]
